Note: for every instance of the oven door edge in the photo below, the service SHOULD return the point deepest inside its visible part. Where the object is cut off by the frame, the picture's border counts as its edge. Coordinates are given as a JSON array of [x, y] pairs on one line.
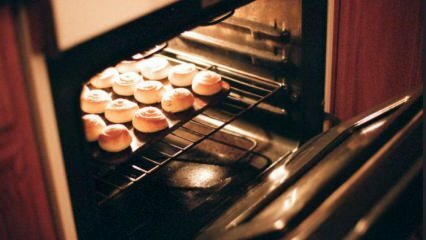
[[240, 219], [45, 126], [55, 33]]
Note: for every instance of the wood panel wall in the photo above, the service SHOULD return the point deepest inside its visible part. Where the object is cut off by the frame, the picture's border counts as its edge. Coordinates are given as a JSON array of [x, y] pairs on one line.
[[24, 207], [377, 52]]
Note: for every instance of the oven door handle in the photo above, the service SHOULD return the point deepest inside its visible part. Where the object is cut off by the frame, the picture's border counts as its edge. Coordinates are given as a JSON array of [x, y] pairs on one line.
[[254, 229]]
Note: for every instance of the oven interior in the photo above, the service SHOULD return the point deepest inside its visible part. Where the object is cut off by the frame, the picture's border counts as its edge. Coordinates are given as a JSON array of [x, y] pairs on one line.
[[201, 165], [181, 182]]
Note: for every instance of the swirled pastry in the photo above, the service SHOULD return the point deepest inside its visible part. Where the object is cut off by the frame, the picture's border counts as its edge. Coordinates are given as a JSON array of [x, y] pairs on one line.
[[115, 138], [207, 83], [125, 84], [149, 92], [177, 100], [93, 126], [149, 120], [155, 68], [120, 110], [128, 66], [105, 78], [181, 75], [94, 101]]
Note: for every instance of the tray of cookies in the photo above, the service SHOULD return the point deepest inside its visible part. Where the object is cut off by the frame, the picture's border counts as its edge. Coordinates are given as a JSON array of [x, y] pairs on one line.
[[127, 107]]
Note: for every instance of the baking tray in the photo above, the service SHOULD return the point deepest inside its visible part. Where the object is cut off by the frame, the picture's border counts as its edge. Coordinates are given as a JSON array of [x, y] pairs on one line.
[[141, 140]]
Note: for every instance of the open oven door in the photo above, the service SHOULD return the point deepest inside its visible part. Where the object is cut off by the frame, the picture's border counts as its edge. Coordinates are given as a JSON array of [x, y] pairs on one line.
[[60, 26], [360, 180]]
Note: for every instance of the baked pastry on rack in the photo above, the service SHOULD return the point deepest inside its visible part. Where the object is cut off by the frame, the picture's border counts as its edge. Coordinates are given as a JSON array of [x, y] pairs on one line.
[[155, 68], [105, 78], [93, 126], [128, 66], [149, 92], [120, 110], [126, 83], [115, 138], [149, 120], [94, 101], [181, 75], [207, 83], [177, 100]]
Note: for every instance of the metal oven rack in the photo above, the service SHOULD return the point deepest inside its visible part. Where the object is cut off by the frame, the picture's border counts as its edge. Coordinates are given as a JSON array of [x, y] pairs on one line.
[[246, 94]]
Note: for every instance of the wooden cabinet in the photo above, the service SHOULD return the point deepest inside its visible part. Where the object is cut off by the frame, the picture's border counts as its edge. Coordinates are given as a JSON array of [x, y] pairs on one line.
[[377, 52], [24, 207]]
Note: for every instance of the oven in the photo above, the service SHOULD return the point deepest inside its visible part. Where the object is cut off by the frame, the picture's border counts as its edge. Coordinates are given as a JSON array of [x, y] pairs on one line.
[[218, 171]]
